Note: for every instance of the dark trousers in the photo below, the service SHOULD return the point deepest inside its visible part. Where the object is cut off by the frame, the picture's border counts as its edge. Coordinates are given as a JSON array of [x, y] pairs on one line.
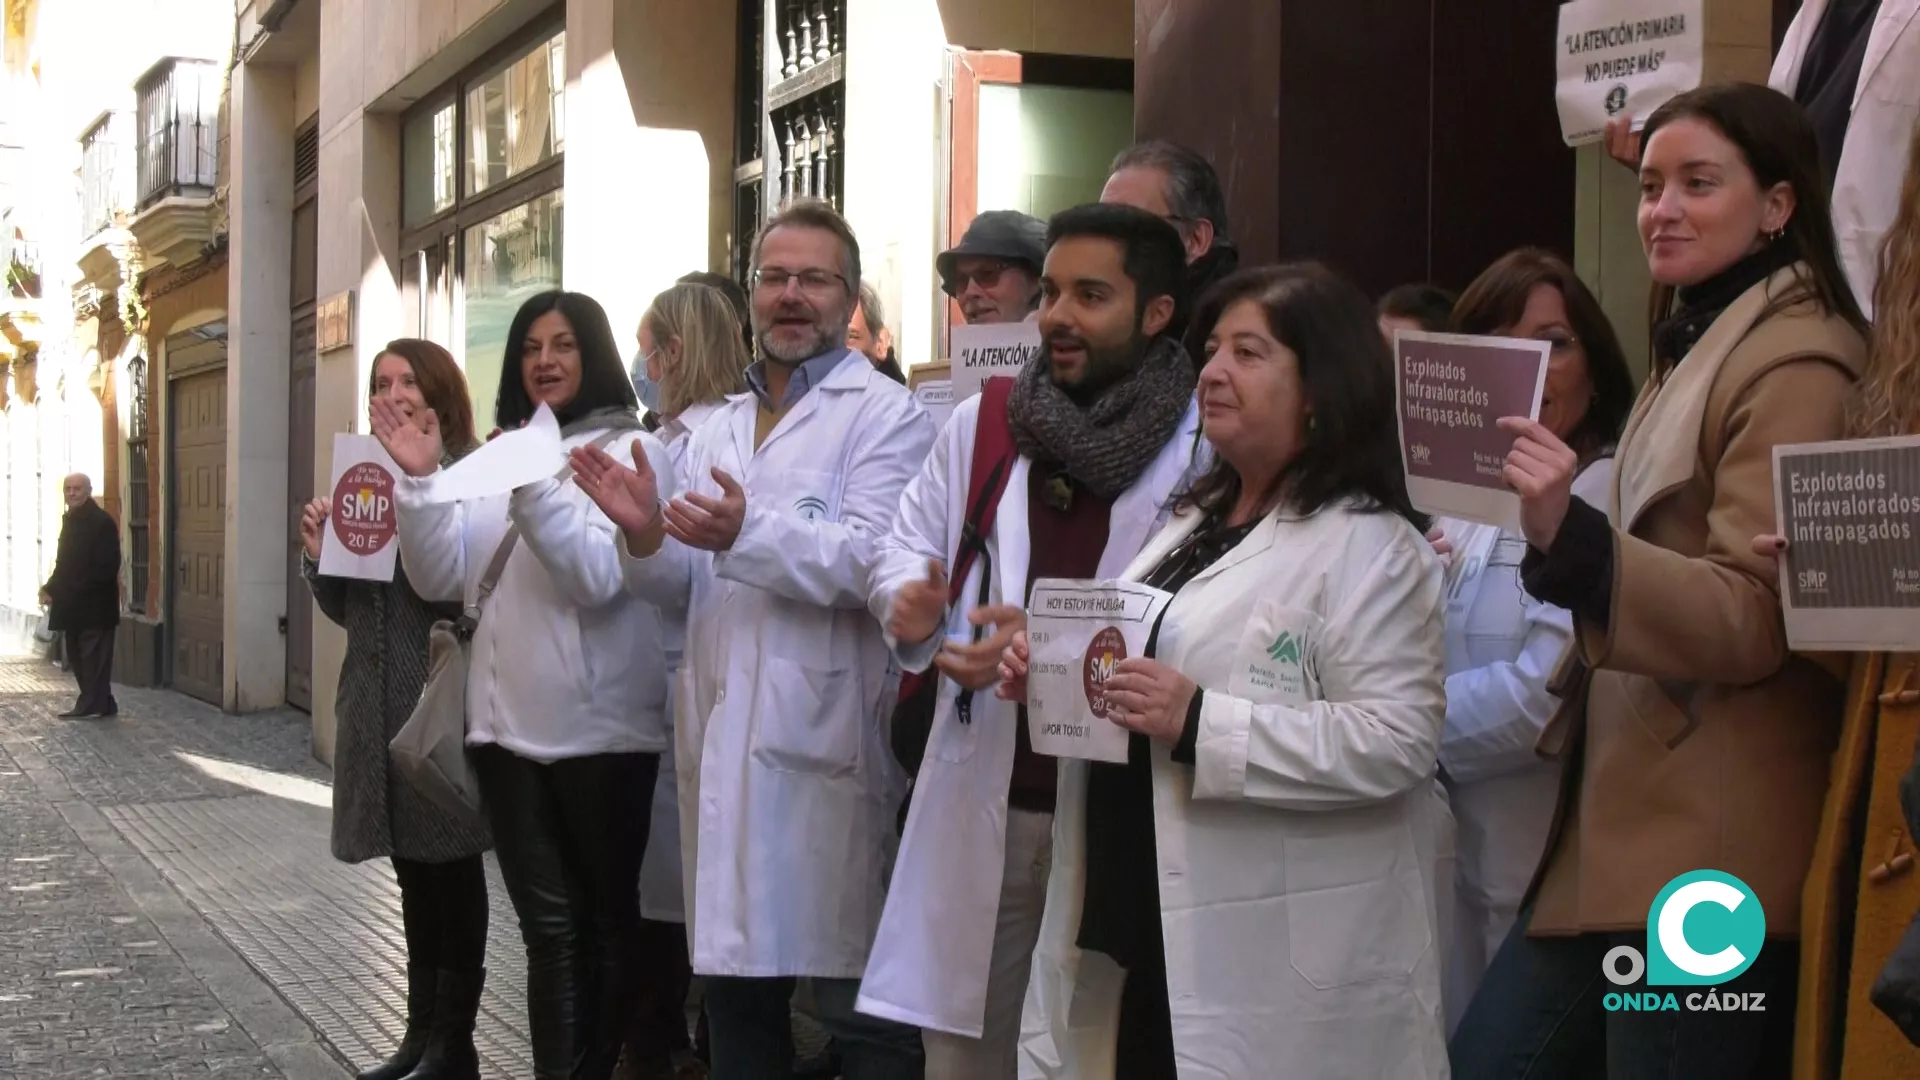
[[444, 909], [90, 656], [570, 837], [1540, 1015], [752, 1025], [660, 1027]]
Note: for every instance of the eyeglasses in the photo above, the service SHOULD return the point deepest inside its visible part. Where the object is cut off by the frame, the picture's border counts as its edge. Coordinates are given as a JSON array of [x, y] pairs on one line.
[[812, 282], [987, 276]]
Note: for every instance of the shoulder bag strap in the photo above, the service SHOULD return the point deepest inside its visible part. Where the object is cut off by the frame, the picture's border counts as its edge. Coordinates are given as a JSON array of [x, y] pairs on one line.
[[470, 618]]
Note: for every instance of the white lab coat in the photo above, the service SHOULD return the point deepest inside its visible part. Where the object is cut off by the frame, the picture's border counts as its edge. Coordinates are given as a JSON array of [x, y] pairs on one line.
[[788, 788], [1886, 104], [565, 662], [1502, 646], [930, 961], [662, 896], [1296, 857]]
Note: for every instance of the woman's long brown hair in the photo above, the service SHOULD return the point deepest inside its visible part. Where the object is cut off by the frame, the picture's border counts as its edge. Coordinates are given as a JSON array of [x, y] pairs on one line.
[[1889, 402], [441, 383]]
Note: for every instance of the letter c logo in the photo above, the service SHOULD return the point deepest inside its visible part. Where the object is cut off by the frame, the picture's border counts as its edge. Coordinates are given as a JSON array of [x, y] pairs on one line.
[[1673, 932]]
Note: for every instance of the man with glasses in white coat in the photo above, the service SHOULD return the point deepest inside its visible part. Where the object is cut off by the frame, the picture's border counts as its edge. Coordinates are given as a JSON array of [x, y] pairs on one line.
[[788, 788]]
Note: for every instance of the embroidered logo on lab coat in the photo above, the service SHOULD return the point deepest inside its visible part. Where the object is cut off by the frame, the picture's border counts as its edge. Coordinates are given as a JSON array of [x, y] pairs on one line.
[[1285, 649], [811, 507]]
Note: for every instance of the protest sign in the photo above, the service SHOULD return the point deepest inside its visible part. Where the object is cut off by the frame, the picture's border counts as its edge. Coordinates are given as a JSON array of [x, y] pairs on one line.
[[359, 538], [983, 352], [1850, 579], [1452, 391], [1623, 56], [936, 396], [510, 460], [1077, 632]]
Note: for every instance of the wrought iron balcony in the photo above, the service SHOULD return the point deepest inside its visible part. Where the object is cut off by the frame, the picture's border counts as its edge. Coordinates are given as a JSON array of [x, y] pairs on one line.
[[177, 133], [103, 153]]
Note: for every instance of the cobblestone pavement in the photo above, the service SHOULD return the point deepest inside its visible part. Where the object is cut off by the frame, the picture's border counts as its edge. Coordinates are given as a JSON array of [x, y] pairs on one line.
[[169, 907]]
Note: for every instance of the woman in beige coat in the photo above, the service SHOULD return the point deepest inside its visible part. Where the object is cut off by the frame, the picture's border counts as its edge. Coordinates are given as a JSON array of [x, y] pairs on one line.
[[1694, 740]]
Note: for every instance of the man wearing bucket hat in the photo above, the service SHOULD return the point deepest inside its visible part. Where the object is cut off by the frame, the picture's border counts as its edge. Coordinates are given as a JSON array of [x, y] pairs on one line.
[[994, 272]]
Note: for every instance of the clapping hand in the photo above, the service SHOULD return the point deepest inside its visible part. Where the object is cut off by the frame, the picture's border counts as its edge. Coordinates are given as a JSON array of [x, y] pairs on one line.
[[630, 497], [415, 447], [709, 524], [919, 607], [976, 666]]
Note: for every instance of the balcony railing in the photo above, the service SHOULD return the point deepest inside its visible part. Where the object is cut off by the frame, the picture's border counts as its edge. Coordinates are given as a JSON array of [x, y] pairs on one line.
[[176, 151], [103, 151]]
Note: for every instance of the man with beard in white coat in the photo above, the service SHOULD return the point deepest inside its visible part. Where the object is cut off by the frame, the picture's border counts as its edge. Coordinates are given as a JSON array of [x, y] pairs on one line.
[[1106, 429], [788, 789]]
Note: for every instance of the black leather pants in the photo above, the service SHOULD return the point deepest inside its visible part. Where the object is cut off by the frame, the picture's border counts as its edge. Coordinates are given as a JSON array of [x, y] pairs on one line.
[[570, 838]]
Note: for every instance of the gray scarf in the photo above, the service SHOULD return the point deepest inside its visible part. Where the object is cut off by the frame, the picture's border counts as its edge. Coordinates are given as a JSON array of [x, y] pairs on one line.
[[1104, 446], [609, 418]]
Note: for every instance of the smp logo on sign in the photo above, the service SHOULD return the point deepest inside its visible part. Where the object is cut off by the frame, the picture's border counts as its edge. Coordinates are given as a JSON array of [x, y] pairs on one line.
[[1421, 453], [1703, 929]]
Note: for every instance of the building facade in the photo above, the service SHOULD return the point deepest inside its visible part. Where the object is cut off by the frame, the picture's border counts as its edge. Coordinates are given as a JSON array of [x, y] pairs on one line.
[[215, 220]]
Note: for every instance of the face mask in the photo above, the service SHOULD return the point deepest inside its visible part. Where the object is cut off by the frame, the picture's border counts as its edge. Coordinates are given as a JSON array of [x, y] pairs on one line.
[[645, 387]]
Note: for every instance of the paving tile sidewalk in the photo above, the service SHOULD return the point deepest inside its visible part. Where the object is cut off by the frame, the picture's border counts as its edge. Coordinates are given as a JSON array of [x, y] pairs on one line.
[[169, 907]]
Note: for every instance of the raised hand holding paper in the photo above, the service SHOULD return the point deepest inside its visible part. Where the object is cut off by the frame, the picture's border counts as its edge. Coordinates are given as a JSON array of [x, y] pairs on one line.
[[512, 459], [1452, 391], [1623, 56], [357, 540], [1077, 633], [1850, 578]]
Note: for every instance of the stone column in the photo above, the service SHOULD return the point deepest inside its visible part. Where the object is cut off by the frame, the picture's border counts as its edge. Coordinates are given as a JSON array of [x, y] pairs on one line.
[[258, 340]]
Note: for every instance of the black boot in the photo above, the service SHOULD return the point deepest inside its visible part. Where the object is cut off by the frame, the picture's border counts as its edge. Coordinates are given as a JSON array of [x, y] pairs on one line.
[[421, 985], [450, 1051]]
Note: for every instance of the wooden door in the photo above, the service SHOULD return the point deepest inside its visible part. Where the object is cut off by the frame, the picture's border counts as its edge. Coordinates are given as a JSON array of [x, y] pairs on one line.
[[300, 394], [300, 391], [198, 489]]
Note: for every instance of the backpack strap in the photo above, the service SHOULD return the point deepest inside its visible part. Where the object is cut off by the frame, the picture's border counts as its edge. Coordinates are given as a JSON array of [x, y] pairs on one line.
[[987, 476], [469, 620]]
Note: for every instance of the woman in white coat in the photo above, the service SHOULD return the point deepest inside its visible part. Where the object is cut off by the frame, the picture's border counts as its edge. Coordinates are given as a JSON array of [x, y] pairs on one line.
[[692, 355], [1261, 871], [1502, 645], [566, 681]]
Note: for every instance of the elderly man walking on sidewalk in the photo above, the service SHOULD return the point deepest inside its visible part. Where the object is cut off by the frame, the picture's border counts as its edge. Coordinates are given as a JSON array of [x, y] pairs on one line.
[[83, 597]]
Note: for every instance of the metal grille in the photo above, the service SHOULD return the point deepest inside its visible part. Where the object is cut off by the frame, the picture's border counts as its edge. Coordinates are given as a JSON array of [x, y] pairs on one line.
[[101, 152], [178, 127], [306, 156], [139, 504]]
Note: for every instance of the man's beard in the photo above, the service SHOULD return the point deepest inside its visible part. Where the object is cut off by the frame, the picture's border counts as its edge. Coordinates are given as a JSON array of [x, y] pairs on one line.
[[817, 342], [1106, 366]]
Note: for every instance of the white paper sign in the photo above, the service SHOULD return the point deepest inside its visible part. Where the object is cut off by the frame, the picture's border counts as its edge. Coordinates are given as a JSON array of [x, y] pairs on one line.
[[1077, 631], [983, 352], [1850, 579], [936, 396], [361, 536], [1452, 391], [512, 460], [1628, 56]]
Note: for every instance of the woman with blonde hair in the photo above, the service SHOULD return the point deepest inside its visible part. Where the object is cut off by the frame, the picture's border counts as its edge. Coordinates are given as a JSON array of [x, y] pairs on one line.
[[1859, 1011], [692, 355]]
